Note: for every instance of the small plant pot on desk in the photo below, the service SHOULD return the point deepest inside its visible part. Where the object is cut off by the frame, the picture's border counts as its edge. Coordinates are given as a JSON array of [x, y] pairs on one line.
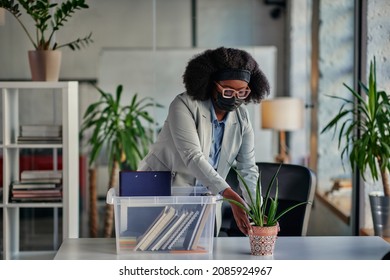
[[262, 240]]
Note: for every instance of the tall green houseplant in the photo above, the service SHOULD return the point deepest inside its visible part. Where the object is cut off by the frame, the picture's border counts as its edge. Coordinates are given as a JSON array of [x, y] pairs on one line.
[[122, 130], [369, 115]]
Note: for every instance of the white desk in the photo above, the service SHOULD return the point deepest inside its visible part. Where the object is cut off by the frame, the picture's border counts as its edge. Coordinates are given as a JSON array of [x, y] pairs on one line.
[[237, 248]]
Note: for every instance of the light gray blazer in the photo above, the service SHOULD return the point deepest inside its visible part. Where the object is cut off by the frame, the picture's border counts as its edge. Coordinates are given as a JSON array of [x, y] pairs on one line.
[[183, 146]]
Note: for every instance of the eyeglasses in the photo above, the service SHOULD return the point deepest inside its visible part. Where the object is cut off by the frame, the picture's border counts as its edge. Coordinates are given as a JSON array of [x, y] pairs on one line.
[[230, 93]]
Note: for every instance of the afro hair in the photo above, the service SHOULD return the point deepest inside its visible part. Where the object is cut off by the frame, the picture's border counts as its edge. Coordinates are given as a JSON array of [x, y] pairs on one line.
[[198, 75]]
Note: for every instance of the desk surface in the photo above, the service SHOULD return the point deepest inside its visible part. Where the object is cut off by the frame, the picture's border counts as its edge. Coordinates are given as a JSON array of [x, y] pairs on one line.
[[237, 248]]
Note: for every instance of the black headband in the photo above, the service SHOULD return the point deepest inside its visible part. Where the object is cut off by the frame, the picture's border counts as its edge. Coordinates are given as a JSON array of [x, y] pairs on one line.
[[232, 74]]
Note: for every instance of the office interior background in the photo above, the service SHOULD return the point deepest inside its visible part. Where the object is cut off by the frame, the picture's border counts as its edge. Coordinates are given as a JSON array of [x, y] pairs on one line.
[[308, 49]]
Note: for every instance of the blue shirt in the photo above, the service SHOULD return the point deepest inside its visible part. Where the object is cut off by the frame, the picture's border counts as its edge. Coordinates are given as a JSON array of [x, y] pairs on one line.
[[218, 130]]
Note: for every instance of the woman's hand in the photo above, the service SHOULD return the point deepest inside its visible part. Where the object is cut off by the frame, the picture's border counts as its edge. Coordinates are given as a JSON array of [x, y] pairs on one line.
[[239, 214]]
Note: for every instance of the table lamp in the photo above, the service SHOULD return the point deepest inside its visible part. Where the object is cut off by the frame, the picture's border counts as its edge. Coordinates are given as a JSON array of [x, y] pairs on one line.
[[282, 114]]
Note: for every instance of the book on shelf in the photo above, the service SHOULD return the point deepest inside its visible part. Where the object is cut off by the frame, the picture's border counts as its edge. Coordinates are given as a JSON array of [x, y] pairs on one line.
[[17, 185], [41, 130], [155, 228], [39, 140], [41, 174], [42, 181], [54, 194], [41, 134], [34, 192], [36, 199], [41, 127]]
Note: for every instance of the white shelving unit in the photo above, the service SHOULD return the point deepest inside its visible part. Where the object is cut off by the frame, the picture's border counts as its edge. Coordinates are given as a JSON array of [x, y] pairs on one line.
[[63, 110]]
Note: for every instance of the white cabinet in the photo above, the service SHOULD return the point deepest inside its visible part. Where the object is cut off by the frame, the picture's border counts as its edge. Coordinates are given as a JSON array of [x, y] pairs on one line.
[[38, 103]]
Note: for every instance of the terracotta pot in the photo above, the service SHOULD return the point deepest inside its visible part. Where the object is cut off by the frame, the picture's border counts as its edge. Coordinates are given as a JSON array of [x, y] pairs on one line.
[[262, 240], [45, 65]]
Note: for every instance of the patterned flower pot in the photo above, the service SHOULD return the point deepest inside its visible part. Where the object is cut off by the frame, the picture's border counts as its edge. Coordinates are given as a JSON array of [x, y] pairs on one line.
[[262, 240]]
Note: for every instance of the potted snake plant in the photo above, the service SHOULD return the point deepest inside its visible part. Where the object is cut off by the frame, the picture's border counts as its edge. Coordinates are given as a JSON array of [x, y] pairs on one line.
[[368, 150], [264, 214], [48, 18], [122, 131]]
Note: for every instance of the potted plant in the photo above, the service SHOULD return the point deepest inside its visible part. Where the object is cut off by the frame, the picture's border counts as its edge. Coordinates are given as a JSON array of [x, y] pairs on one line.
[[264, 214], [48, 18], [121, 130], [365, 133]]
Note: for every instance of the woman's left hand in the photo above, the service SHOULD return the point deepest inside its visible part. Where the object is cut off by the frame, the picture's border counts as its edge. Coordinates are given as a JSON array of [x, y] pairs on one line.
[[239, 214]]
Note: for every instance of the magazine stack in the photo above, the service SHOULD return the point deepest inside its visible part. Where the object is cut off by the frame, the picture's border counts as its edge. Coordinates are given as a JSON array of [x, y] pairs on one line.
[[38, 186]]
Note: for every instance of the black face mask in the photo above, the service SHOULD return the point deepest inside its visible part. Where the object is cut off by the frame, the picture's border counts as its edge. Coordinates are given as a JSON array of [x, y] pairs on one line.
[[227, 104]]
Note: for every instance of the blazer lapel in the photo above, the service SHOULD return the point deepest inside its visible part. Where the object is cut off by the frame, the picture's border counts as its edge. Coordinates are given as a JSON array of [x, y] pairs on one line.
[[229, 136], [205, 128]]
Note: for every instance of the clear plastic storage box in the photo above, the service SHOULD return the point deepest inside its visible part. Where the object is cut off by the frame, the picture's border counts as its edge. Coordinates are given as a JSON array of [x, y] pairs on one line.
[[182, 223]]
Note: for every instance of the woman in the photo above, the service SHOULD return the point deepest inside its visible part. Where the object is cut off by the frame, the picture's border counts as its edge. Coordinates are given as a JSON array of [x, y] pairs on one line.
[[207, 130]]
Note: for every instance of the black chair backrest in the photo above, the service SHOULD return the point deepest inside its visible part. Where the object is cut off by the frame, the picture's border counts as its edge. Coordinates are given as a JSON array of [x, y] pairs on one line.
[[296, 183]]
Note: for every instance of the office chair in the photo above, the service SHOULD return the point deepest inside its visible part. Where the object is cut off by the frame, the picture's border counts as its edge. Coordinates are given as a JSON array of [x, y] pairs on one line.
[[296, 184]]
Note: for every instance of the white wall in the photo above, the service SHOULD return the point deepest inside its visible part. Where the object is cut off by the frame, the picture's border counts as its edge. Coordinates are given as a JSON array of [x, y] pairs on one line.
[[114, 24], [147, 24]]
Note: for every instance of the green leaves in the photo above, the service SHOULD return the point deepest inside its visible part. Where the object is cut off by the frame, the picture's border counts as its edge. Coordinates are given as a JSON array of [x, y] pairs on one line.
[[122, 130], [365, 126], [10, 6], [48, 17], [263, 211], [77, 44]]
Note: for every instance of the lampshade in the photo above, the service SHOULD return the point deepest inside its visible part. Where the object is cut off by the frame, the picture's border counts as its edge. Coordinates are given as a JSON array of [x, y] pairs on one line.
[[283, 113]]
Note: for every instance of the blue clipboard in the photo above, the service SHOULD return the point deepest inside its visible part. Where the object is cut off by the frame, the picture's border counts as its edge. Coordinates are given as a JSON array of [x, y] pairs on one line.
[[145, 183]]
